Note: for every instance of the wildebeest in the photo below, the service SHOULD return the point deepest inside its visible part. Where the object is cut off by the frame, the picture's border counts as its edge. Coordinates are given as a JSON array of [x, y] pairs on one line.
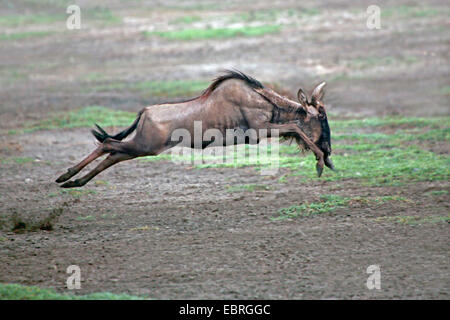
[[233, 101]]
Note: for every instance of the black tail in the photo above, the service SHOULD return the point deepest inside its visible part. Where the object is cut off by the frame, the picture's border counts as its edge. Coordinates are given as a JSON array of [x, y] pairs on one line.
[[101, 135]]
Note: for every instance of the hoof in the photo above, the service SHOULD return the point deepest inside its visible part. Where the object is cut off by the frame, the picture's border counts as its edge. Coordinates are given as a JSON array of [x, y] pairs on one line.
[[319, 169], [329, 163], [71, 184], [66, 176]]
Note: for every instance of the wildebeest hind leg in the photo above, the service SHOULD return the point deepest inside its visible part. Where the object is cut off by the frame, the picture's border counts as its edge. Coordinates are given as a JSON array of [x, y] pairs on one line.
[[77, 168], [108, 162]]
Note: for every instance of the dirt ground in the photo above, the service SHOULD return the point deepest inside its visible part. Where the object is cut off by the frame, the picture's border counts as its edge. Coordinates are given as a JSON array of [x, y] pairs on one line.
[[171, 231]]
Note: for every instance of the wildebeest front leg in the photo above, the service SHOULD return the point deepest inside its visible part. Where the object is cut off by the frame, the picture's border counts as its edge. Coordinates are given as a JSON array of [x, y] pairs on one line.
[[293, 128], [108, 162], [315, 149]]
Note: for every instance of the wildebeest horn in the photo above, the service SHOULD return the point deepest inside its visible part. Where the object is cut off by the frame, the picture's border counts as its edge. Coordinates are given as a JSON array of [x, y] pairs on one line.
[[302, 98], [317, 93]]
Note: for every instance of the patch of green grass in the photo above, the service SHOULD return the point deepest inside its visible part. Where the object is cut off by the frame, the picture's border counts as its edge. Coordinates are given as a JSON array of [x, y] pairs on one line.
[[49, 3], [346, 77], [370, 62], [86, 218], [445, 90], [259, 15], [363, 146], [307, 12], [248, 187], [216, 33], [388, 121], [169, 89], [94, 76], [15, 73], [186, 20], [21, 160], [432, 135], [406, 11], [30, 19], [328, 203], [25, 35], [194, 6], [17, 160], [372, 166], [102, 14], [234, 157], [381, 140], [373, 158], [374, 140], [272, 15], [21, 292], [406, 130], [85, 117], [437, 193], [413, 220], [394, 166], [160, 157], [231, 157], [384, 199], [12, 76], [379, 158]]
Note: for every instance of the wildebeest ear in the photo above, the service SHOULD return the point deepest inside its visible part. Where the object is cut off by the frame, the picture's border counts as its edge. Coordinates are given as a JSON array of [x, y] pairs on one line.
[[318, 92], [302, 98]]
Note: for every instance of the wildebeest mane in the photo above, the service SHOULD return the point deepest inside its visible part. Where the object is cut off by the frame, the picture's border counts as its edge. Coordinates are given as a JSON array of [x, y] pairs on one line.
[[233, 74], [229, 74]]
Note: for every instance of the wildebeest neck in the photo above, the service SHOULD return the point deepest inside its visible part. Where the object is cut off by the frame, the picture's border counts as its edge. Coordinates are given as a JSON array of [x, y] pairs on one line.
[[281, 102]]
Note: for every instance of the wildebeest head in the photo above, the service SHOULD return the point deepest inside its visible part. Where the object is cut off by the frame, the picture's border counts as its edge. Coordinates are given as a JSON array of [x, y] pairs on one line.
[[318, 122]]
